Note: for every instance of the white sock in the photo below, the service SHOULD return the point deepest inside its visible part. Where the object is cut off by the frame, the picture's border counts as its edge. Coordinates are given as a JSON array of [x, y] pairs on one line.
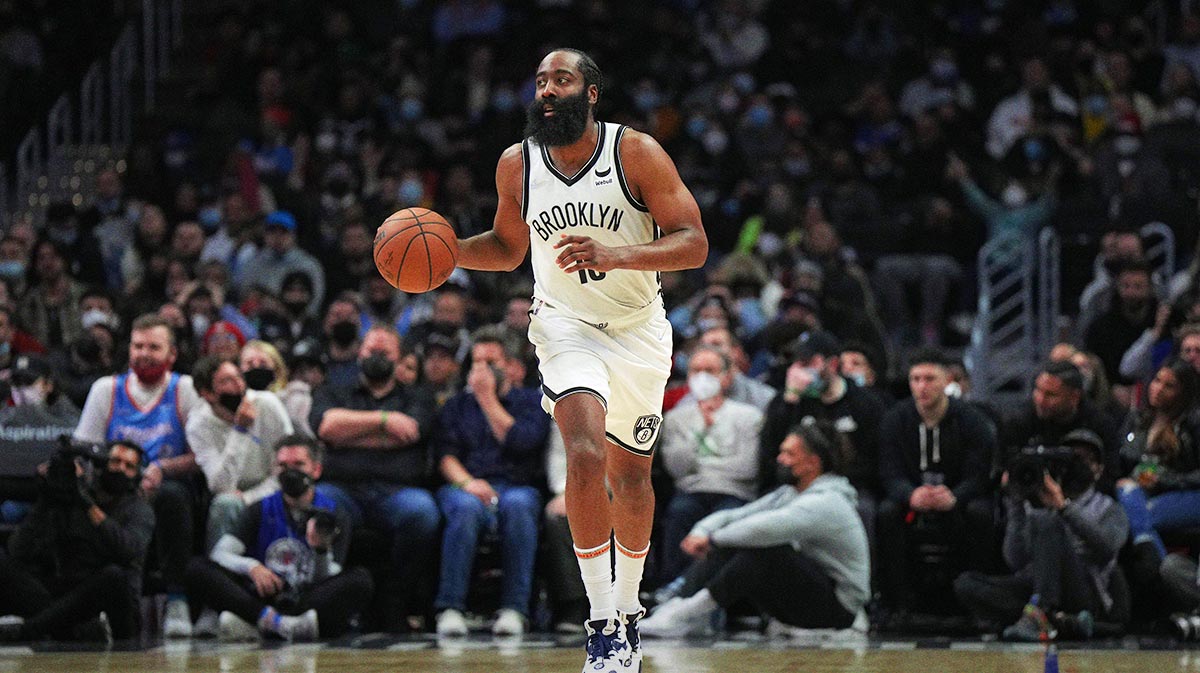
[[630, 564], [595, 568]]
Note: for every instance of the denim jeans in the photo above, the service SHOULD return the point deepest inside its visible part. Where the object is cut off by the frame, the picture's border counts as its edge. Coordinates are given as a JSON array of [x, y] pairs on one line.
[[407, 513], [684, 510], [1167, 511], [515, 520]]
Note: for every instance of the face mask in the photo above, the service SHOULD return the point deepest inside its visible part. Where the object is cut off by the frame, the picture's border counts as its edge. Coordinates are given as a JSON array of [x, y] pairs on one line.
[[231, 401], [784, 475], [758, 116], [715, 141], [411, 109], [504, 101], [944, 71], [295, 307], [259, 378], [116, 483], [410, 192], [294, 483], [5, 348], [817, 386], [646, 101], [1013, 196], [344, 333], [32, 394], [377, 368], [150, 374], [696, 126], [859, 379], [95, 316], [200, 324], [210, 218], [704, 385], [12, 268]]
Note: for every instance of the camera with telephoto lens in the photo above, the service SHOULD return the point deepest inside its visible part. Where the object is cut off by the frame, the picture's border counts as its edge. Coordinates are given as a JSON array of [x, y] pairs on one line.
[[61, 485], [1027, 469]]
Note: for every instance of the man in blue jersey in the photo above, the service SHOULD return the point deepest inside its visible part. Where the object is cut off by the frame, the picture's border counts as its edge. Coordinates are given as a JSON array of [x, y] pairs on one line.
[[601, 210], [149, 405]]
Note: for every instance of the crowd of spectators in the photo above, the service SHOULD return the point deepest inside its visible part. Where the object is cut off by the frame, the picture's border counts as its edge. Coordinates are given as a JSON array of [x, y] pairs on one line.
[[217, 301]]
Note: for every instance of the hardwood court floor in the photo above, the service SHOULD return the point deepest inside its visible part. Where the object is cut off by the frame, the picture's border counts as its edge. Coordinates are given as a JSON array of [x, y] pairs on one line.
[[546, 657]]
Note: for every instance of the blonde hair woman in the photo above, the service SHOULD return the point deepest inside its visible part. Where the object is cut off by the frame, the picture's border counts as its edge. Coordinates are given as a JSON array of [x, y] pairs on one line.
[[264, 369]]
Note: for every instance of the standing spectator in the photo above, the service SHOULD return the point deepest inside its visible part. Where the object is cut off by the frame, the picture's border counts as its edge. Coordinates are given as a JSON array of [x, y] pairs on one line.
[[151, 405], [709, 448], [935, 455], [490, 441], [279, 257], [79, 552], [377, 431], [1061, 543], [280, 569], [64, 227], [1034, 103], [814, 388], [798, 553]]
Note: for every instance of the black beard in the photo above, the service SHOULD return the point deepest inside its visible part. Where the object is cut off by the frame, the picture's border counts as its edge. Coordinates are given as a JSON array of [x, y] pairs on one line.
[[564, 127]]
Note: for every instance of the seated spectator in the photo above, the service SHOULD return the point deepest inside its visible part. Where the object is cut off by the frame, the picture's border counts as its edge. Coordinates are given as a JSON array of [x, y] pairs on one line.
[[341, 326], [28, 429], [1096, 388], [798, 553], [50, 309], [490, 441], [741, 388], [290, 321], [263, 369], [280, 570], [1160, 459], [814, 388], [1189, 345], [709, 448], [560, 568], [377, 431], [1132, 312], [279, 257], [80, 551], [1061, 541], [232, 436], [935, 454], [1058, 407], [440, 367], [867, 368]]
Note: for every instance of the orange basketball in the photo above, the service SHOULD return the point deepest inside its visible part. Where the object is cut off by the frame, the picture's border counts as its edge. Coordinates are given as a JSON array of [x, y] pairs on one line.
[[415, 249]]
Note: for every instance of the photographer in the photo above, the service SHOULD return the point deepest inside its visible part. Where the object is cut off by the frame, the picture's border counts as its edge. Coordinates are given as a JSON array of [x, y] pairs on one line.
[[1061, 541], [281, 571], [80, 550]]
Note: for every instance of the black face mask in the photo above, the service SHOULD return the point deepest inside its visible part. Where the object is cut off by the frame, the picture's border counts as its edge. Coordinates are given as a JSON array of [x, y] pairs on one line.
[[563, 128], [377, 368], [343, 333], [784, 476], [294, 483], [381, 307], [230, 401], [259, 378], [296, 307], [116, 483]]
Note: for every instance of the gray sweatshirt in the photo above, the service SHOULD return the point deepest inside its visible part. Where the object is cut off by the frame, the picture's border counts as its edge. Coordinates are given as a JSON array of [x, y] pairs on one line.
[[821, 522], [722, 458]]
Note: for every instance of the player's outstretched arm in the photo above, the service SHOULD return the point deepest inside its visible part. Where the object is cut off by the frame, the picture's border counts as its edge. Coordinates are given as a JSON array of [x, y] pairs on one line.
[[504, 247], [655, 182]]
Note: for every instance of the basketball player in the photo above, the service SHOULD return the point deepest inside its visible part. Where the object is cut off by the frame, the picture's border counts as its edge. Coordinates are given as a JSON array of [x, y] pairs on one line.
[[602, 210]]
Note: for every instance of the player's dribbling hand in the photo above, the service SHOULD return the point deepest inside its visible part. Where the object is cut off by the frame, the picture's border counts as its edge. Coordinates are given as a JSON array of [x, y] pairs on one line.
[[581, 252]]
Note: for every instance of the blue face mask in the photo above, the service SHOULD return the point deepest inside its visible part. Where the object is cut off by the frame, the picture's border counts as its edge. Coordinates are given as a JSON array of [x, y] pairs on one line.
[[410, 192], [859, 379], [696, 126], [759, 116], [5, 349], [12, 268], [411, 109]]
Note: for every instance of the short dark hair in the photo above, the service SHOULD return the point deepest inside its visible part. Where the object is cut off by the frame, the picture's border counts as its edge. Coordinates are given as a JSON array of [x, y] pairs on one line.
[[494, 334], [150, 321], [205, 370], [1065, 371], [929, 356], [588, 68], [726, 361], [315, 450], [128, 444], [823, 441]]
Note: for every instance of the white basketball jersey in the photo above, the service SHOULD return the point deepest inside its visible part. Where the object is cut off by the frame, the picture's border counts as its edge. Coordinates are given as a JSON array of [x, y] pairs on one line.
[[595, 202]]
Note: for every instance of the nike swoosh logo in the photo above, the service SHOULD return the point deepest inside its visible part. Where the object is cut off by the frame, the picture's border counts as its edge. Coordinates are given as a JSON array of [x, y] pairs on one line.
[[604, 172]]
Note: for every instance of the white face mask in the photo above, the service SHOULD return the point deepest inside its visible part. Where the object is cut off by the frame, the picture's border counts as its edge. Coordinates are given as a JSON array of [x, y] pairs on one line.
[[1014, 195], [704, 386], [31, 394]]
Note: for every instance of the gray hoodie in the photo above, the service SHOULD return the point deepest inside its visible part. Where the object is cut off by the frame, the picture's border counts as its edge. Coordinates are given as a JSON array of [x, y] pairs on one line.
[[821, 522]]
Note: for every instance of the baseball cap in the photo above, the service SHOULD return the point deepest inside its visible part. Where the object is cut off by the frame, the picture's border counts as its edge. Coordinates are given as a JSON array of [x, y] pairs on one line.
[[445, 342], [815, 342], [29, 368], [802, 299], [283, 219]]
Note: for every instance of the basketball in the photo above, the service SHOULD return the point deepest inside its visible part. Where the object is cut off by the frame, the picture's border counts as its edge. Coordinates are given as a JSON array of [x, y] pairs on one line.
[[416, 249]]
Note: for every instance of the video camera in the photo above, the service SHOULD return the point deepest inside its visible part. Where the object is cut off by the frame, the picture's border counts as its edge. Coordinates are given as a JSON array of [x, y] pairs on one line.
[[1027, 468], [61, 485]]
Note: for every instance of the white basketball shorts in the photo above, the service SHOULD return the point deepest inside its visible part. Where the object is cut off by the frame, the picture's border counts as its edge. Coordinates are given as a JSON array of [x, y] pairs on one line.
[[626, 367]]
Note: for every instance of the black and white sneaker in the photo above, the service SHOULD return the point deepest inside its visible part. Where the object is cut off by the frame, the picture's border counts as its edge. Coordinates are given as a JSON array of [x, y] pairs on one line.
[[608, 649]]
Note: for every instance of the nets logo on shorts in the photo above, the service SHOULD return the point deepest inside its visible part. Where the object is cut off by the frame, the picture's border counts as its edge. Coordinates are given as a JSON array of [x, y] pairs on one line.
[[644, 427]]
